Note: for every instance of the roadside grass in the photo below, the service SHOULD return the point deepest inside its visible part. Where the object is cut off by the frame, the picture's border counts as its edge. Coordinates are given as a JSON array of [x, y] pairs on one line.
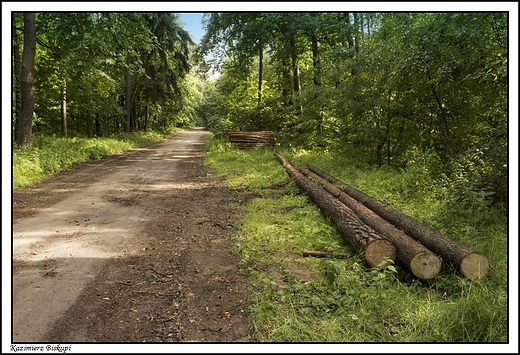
[[300, 299], [50, 155]]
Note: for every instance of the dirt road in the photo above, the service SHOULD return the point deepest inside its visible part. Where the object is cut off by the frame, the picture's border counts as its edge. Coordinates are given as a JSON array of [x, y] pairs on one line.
[[132, 248]]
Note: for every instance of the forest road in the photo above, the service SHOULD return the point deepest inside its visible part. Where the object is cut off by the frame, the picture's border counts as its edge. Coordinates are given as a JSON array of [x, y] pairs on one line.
[[136, 247]]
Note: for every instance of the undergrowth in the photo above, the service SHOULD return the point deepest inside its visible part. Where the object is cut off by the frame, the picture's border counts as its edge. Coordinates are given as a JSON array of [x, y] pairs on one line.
[[300, 299]]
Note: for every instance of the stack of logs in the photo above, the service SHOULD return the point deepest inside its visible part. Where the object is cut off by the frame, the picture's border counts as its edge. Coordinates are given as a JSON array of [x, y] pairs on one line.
[[251, 139], [382, 232]]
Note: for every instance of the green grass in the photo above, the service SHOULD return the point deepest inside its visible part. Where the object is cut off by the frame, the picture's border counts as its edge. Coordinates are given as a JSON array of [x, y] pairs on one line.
[[298, 299], [50, 155]]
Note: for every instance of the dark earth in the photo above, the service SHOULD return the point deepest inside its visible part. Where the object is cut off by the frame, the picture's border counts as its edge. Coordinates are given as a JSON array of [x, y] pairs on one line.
[[137, 247]]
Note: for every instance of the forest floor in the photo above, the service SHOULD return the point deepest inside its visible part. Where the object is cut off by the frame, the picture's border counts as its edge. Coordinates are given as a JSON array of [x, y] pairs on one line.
[[136, 247]]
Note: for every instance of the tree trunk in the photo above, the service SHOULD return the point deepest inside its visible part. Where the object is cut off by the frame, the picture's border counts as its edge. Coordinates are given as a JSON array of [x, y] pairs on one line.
[[350, 40], [16, 80], [415, 257], [128, 94], [99, 130], [27, 80], [260, 70], [146, 117], [134, 118], [357, 40], [469, 262], [297, 88], [358, 235], [316, 62], [316, 65], [357, 34], [440, 105], [286, 79], [90, 126], [387, 138], [368, 27], [64, 109]]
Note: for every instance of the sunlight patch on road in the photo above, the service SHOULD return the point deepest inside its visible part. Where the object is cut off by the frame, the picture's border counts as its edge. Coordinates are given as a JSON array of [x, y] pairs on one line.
[[178, 186]]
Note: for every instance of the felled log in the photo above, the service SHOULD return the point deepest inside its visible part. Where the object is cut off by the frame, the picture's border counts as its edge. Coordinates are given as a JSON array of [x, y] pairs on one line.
[[470, 263], [414, 256], [325, 254], [251, 139], [357, 234]]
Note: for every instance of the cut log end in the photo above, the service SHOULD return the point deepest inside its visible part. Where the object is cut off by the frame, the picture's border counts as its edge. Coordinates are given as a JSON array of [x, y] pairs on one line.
[[474, 266], [379, 252], [425, 265]]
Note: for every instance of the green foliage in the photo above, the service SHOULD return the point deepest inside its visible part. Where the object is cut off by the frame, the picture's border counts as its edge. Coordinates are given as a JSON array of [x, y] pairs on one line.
[[385, 85], [341, 300], [85, 54], [475, 175]]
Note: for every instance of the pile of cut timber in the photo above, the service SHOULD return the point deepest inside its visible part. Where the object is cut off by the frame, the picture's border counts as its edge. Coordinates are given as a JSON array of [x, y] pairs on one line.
[[251, 139], [418, 247]]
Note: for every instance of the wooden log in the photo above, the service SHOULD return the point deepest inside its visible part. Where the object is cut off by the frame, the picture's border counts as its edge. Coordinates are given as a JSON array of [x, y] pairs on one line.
[[414, 256], [252, 133], [251, 139], [471, 263], [357, 234], [325, 254]]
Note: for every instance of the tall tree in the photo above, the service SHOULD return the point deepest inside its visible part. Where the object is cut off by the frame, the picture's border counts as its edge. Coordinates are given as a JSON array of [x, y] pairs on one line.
[[240, 36], [27, 80], [16, 71], [64, 128], [316, 62], [164, 64], [128, 94], [297, 86], [260, 70]]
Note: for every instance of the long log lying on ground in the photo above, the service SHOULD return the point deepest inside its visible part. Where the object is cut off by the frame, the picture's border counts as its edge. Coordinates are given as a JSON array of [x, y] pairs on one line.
[[357, 234], [470, 263], [414, 256], [251, 139]]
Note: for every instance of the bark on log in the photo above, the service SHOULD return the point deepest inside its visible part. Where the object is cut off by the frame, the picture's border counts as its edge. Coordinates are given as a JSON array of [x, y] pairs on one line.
[[472, 264], [251, 139], [414, 256], [357, 234], [325, 254]]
